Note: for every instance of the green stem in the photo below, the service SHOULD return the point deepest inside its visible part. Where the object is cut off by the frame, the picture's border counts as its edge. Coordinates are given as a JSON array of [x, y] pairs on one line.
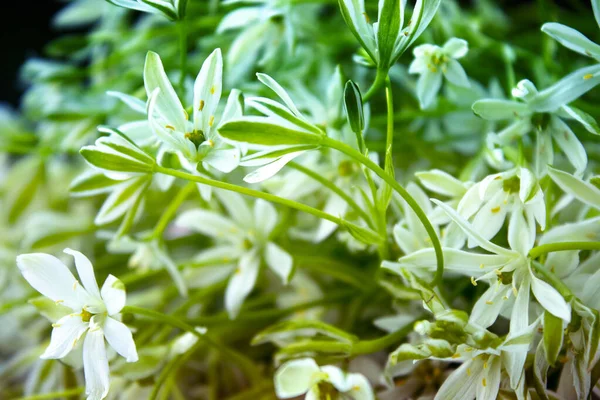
[[563, 246], [389, 138], [377, 84], [435, 241], [245, 363], [251, 192], [382, 343], [331, 186], [182, 55], [54, 395], [166, 217]]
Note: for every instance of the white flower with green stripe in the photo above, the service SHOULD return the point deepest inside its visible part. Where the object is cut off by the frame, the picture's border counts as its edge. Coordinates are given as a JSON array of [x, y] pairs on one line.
[[433, 63], [193, 141], [89, 315]]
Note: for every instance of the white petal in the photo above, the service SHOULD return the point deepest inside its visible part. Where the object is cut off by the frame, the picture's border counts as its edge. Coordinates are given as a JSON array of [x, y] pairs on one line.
[[168, 105], [49, 276], [468, 229], [85, 270], [210, 224], [265, 217], [572, 39], [207, 92], [65, 335], [113, 294], [360, 389], [466, 263], [494, 109], [520, 237], [334, 205], [95, 365], [569, 144], [462, 383], [428, 86], [490, 218], [488, 389], [225, 160], [441, 182], [242, 282], [280, 91], [119, 337], [456, 48], [550, 299], [583, 191], [267, 171], [519, 320], [488, 307], [237, 208], [295, 378], [455, 73], [279, 261]]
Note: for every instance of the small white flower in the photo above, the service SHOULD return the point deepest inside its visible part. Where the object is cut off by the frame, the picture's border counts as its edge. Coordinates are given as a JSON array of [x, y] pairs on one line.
[[95, 314], [195, 141], [297, 377], [433, 62], [244, 237]]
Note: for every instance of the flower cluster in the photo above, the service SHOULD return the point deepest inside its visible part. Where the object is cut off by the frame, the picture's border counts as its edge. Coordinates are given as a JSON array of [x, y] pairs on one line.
[[393, 201]]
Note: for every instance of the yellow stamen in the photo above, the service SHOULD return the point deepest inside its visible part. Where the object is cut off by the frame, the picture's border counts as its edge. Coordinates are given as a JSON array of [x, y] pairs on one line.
[[588, 76], [481, 266], [211, 120], [171, 127], [489, 302], [469, 371], [473, 281], [187, 117], [495, 209], [212, 89], [484, 382], [201, 106]]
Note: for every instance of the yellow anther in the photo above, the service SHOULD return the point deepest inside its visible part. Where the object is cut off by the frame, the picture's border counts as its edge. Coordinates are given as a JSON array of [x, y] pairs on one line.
[[473, 281], [201, 106], [484, 382], [495, 210], [56, 325], [469, 371], [212, 89], [187, 117], [489, 302], [211, 120], [367, 18], [485, 365], [211, 143], [171, 127], [481, 266], [456, 355], [588, 76]]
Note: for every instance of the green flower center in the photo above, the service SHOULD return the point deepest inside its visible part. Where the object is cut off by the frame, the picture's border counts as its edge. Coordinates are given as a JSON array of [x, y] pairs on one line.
[[196, 137], [512, 185], [86, 315]]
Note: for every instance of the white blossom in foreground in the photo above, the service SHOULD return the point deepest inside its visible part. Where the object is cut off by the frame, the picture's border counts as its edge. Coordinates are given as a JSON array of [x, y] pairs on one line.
[[433, 63], [94, 314], [195, 141], [297, 377]]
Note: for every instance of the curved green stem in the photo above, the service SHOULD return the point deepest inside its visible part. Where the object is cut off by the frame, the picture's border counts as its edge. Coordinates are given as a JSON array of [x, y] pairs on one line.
[[382, 343], [245, 363], [331, 186], [377, 84], [563, 246], [435, 241], [251, 192], [166, 217]]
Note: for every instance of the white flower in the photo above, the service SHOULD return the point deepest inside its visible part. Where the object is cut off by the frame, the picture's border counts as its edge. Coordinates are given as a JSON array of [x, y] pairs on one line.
[[543, 113], [296, 377], [195, 141], [171, 9], [490, 202], [245, 237], [433, 62], [95, 314]]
